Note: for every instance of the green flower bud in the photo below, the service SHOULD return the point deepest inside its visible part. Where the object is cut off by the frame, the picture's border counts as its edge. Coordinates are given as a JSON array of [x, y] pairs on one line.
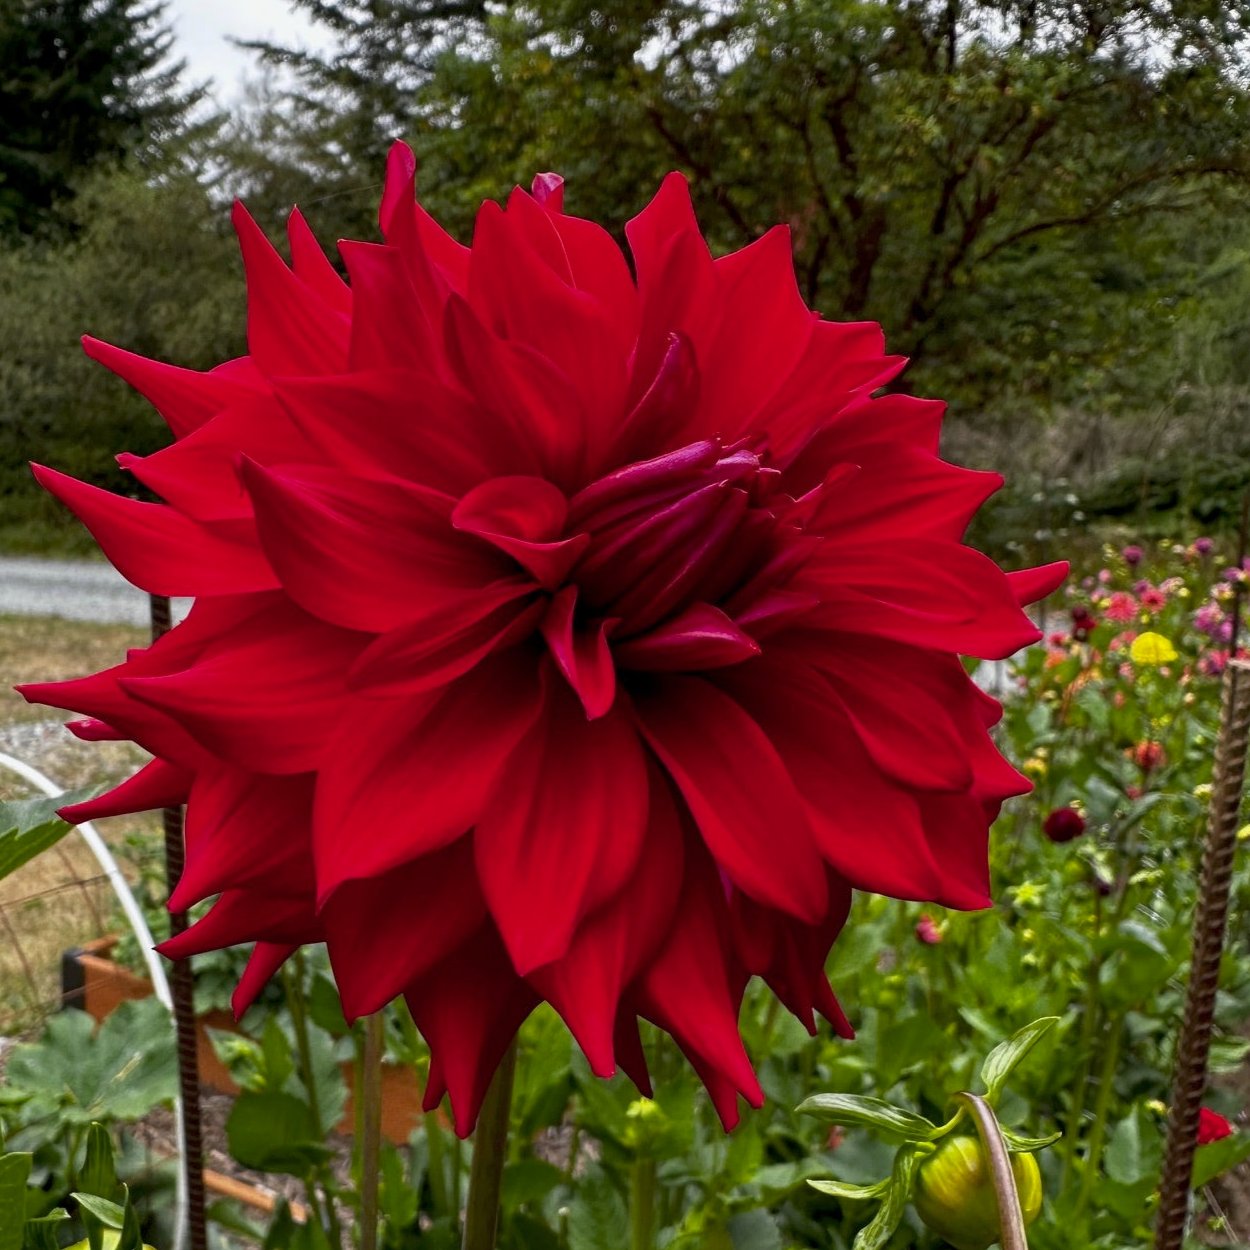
[[955, 1197]]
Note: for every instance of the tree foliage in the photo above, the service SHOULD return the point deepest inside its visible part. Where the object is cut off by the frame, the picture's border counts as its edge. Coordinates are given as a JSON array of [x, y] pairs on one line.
[[992, 179], [86, 82]]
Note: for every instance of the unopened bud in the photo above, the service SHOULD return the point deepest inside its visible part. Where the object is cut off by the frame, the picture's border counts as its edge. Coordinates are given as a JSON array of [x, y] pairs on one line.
[[955, 1195]]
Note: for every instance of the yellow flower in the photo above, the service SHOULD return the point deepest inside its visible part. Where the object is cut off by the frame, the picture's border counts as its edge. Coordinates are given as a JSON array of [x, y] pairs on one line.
[[1152, 648], [1243, 834], [1203, 791], [1035, 767]]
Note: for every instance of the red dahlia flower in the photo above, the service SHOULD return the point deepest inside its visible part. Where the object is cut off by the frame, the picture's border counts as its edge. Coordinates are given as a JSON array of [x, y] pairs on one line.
[[561, 632]]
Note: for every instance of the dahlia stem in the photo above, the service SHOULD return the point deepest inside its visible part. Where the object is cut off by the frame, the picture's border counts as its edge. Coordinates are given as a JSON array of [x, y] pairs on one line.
[[490, 1152], [642, 1203], [1010, 1217], [370, 1090]]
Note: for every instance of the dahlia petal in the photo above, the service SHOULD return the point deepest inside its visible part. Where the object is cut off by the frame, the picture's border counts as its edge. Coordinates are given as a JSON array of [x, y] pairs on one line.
[[882, 687], [738, 791], [692, 988], [1030, 585], [643, 485], [245, 829], [156, 548], [615, 943], [265, 696], [522, 297], [583, 784], [867, 828], [468, 1009], [764, 331], [773, 610], [364, 553], [406, 225], [448, 643], [313, 267], [599, 268], [627, 1043], [673, 391], [247, 916], [154, 786], [389, 327], [386, 422], [582, 654], [416, 773], [701, 637], [266, 958], [290, 330], [548, 190], [186, 398], [926, 497], [383, 933], [927, 593], [199, 474], [535, 408], [94, 730], [523, 517]]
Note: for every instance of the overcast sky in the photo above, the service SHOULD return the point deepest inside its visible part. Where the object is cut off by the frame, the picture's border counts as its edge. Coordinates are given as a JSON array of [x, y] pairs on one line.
[[201, 28]]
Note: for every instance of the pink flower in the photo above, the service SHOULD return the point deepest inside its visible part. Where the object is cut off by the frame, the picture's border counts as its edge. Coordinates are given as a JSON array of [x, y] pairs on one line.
[[1203, 546], [1153, 599], [927, 931], [1132, 555], [1212, 1127], [1148, 756], [1121, 607]]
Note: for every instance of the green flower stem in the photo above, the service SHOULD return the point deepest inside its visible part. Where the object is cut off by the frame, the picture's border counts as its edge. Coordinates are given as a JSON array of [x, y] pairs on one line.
[[1089, 1018], [1010, 1217], [437, 1166], [1102, 1107], [642, 1203], [490, 1152], [370, 1093], [293, 984]]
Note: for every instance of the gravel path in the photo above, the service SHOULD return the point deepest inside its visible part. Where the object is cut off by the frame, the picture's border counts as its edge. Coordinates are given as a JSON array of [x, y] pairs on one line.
[[78, 590]]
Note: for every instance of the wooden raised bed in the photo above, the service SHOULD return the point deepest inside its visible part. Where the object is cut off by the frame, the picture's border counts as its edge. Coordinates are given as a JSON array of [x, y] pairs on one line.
[[97, 984]]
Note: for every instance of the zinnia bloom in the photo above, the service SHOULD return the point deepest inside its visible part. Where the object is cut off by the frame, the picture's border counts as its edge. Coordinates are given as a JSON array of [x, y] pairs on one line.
[[1121, 607], [927, 931], [1152, 649], [1212, 1126], [1132, 555], [562, 631], [1063, 824], [1148, 756]]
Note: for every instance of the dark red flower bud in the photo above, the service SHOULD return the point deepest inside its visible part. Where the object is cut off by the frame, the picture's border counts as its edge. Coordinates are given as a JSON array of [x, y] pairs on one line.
[[1064, 824]]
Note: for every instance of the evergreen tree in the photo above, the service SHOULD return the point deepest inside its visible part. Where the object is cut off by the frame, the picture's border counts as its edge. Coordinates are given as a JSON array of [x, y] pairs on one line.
[[84, 83]]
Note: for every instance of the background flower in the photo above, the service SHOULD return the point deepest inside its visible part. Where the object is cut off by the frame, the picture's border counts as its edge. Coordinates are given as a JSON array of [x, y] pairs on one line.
[[561, 633]]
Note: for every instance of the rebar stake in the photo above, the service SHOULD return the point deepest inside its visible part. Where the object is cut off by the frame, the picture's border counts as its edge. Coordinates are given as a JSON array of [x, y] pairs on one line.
[[1190, 1078], [182, 991]]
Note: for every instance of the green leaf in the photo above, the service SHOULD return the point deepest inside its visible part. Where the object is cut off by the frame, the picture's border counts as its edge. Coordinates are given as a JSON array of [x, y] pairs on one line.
[[131, 1237], [29, 826], [890, 1213], [754, 1230], [110, 1214], [1005, 1057], [274, 1132], [1134, 1150], [80, 1075], [99, 1175], [14, 1172], [597, 1216], [1218, 1157], [1019, 1145], [40, 1234], [855, 1193], [848, 1109]]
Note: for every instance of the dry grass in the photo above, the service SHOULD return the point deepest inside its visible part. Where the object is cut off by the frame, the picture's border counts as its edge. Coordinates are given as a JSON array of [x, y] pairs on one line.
[[58, 900]]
